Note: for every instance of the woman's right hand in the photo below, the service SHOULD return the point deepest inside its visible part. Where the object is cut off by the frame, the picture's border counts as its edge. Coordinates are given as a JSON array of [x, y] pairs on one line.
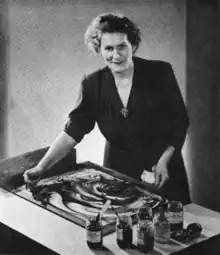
[[33, 174]]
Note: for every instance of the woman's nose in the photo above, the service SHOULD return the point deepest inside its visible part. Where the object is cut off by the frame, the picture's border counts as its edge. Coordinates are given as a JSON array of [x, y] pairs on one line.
[[116, 53]]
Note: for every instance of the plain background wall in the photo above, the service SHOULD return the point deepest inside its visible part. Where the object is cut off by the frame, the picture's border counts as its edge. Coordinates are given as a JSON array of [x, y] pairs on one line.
[[3, 77], [203, 94], [47, 59]]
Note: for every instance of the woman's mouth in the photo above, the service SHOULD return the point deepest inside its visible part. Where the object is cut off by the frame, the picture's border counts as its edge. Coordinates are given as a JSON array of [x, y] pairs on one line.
[[117, 62]]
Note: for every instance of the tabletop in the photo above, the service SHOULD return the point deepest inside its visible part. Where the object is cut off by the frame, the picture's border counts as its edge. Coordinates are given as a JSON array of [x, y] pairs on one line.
[[64, 237]]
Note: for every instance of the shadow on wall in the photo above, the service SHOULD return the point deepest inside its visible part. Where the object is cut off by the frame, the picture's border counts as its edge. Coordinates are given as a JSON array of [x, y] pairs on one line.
[[203, 101], [3, 79]]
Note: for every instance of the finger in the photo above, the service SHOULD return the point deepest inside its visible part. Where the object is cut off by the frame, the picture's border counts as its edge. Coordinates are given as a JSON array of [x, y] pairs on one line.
[[30, 185], [154, 168], [164, 179], [26, 179], [143, 175], [157, 178]]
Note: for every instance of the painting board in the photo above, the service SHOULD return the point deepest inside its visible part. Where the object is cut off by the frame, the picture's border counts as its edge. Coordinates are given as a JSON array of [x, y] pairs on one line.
[[80, 194]]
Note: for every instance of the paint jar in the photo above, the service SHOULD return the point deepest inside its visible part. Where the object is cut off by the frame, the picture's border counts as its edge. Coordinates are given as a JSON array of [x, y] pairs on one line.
[[94, 233], [124, 231], [175, 216], [161, 226], [145, 229]]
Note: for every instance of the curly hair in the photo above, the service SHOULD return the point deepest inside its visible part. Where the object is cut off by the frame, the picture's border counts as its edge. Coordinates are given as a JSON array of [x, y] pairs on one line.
[[111, 23]]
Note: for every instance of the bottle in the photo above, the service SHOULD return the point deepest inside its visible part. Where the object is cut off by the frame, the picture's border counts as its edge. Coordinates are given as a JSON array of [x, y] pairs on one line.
[[94, 233], [175, 216], [145, 229], [124, 231], [161, 226]]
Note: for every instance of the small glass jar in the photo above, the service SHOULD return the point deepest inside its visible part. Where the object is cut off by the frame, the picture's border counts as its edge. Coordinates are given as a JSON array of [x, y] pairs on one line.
[[175, 216], [94, 233], [145, 229], [124, 231], [161, 226]]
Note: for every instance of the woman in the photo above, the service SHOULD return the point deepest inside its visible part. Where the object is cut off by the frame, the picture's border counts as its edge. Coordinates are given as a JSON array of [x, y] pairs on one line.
[[137, 105]]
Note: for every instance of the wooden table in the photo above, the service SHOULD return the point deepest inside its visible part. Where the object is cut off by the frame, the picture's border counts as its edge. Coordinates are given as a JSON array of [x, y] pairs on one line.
[[64, 237]]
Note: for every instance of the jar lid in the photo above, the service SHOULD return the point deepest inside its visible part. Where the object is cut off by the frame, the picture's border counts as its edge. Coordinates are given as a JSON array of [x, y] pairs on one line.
[[175, 203]]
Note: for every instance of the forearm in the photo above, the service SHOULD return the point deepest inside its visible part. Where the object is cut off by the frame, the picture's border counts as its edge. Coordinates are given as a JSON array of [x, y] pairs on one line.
[[167, 155], [57, 151]]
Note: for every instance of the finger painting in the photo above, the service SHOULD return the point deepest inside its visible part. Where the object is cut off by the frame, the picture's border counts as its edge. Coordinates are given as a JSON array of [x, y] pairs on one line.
[[80, 194]]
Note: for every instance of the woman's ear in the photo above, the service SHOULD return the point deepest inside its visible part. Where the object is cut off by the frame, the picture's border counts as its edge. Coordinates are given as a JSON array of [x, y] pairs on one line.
[[99, 53], [134, 48]]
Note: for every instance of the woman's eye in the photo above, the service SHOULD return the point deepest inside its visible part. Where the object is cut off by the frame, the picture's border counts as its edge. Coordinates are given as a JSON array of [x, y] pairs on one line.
[[121, 47], [109, 48]]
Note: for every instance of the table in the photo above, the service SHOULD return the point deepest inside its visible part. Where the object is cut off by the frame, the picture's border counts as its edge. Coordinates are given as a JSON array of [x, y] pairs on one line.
[[64, 237]]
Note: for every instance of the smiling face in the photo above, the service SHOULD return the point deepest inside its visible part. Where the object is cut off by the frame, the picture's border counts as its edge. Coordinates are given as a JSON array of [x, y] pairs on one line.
[[117, 52]]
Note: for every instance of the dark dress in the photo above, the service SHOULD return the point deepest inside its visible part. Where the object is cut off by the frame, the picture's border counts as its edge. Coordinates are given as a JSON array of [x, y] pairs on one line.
[[157, 118]]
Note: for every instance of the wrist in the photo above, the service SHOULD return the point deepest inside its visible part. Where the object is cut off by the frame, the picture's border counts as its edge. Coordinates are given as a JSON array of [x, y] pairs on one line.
[[40, 168], [163, 162]]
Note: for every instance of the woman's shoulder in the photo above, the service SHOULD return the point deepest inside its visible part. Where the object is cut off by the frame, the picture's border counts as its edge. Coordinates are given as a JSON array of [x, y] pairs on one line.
[[151, 63], [91, 80], [95, 75], [91, 76]]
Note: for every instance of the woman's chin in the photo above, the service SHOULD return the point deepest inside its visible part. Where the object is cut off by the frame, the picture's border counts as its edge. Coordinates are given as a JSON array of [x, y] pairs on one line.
[[118, 69]]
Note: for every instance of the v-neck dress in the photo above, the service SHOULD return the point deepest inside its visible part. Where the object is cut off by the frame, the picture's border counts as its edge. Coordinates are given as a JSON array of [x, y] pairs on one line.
[[157, 118]]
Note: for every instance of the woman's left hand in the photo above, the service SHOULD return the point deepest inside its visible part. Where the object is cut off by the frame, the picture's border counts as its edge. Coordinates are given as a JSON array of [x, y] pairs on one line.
[[161, 174]]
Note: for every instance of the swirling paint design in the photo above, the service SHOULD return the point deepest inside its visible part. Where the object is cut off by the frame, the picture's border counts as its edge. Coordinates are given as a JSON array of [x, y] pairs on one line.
[[86, 191]]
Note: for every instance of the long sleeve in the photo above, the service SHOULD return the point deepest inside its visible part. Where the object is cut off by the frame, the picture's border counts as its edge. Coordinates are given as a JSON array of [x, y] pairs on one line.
[[177, 110], [81, 120]]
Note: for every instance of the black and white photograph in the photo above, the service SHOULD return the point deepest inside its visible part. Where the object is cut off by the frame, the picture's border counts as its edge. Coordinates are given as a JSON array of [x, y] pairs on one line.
[[109, 127]]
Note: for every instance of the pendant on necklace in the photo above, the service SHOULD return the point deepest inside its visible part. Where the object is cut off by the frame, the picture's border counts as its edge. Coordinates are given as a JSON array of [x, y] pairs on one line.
[[124, 112]]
